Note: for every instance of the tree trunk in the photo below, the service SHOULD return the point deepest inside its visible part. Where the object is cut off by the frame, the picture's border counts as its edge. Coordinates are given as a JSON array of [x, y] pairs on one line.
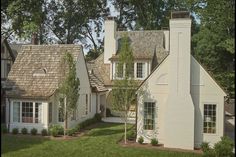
[[65, 119]]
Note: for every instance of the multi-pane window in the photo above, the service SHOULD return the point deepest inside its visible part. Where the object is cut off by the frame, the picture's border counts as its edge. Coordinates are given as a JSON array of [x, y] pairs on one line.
[[209, 118], [38, 108], [27, 112], [16, 111], [90, 107], [119, 70], [50, 113], [149, 115], [129, 68], [60, 110], [140, 70], [86, 104]]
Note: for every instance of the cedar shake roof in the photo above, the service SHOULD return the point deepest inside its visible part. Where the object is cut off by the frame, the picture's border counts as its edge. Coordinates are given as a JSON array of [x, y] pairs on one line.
[[143, 44], [146, 45], [36, 72], [100, 70]]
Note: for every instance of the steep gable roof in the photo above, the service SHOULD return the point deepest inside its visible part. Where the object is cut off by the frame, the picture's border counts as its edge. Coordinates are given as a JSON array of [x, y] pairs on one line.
[[36, 72]]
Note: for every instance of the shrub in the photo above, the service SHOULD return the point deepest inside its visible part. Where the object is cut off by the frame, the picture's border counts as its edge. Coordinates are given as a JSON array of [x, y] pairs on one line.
[[140, 140], [224, 147], [98, 117], [33, 131], [205, 146], [24, 131], [3, 128], [71, 132], [56, 130], [15, 131], [77, 128], [131, 135], [44, 132], [154, 141]]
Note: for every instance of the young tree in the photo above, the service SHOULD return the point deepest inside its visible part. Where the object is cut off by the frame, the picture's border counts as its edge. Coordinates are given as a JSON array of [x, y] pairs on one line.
[[68, 89], [123, 91]]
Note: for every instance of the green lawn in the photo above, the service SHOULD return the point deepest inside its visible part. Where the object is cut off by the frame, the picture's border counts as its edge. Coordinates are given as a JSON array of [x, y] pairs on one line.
[[99, 142]]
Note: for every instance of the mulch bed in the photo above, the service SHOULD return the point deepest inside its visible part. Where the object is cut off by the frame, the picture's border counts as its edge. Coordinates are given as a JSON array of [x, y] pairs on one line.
[[159, 147]]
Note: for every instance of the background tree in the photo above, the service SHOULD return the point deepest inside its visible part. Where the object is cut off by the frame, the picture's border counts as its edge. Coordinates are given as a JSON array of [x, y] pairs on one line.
[[68, 88], [214, 43], [123, 91]]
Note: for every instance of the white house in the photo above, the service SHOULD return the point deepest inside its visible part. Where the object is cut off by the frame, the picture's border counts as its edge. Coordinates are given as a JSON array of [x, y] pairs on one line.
[[180, 105], [34, 78]]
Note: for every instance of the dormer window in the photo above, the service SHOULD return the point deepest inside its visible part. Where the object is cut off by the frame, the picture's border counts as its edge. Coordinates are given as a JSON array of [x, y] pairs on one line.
[[40, 72], [140, 70]]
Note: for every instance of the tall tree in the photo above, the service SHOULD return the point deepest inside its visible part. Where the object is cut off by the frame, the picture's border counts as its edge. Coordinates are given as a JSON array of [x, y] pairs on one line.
[[68, 88], [27, 17], [123, 91], [214, 43]]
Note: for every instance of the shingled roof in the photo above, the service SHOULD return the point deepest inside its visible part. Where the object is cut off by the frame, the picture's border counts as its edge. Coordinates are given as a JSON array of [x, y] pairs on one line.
[[143, 43], [36, 72]]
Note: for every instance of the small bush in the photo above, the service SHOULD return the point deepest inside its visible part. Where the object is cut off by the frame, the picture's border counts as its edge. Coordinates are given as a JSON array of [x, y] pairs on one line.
[[15, 131], [224, 147], [77, 128], [88, 122], [205, 146], [98, 117], [71, 132], [24, 131], [3, 128], [56, 130], [154, 141], [140, 140], [34, 131], [44, 132], [131, 135]]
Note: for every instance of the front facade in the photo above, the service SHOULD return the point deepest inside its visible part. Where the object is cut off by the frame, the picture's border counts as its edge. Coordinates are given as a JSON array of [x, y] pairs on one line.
[[33, 101], [180, 105]]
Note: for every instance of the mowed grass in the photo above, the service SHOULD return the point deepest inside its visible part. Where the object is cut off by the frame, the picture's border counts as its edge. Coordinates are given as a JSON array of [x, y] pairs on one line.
[[99, 142]]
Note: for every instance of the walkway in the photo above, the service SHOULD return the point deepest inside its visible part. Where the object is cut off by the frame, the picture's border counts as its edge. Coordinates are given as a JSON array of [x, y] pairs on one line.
[[118, 120]]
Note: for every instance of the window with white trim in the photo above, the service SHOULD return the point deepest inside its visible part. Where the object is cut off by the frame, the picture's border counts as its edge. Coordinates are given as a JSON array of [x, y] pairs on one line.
[[86, 104], [119, 70], [149, 115], [38, 111], [27, 112], [50, 112], [209, 121], [16, 111], [140, 70]]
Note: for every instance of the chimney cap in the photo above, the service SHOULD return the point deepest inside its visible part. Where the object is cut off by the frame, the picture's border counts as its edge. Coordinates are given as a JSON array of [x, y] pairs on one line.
[[180, 14]]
